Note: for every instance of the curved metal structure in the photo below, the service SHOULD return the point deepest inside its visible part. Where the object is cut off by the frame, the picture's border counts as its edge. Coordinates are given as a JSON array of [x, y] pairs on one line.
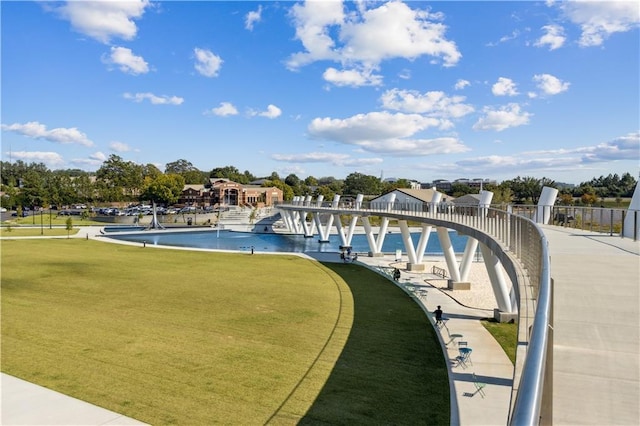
[[518, 243]]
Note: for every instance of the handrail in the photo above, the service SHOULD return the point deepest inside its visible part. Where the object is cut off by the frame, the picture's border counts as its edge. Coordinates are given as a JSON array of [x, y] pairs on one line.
[[514, 233]]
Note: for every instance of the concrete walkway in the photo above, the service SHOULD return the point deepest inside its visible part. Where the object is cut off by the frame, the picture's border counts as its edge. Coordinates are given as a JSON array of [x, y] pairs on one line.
[[596, 328], [24, 403]]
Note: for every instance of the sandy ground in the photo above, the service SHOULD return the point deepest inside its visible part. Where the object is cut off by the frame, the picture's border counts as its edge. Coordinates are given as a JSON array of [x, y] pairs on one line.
[[480, 296]]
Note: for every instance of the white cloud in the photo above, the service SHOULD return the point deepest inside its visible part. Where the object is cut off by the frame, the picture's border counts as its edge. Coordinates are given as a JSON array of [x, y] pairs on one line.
[[252, 17], [363, 38], [550, 85], [119, 146], [95, 160], [313, 21], [559, 160], [154, 99], [371, 126], [383, 132], [35, 130], [599, 19], [327, 157], [504, 87], [312, 157], [126, 61], [207, 63], [514, 34], [394, 30], [503, 118], [553, 37], [405, 74], [434, 103], [98, 156], [622, 148], [225, 109], [271, 112], [352, 77], [51, 159], [461, 84], [104, 20]]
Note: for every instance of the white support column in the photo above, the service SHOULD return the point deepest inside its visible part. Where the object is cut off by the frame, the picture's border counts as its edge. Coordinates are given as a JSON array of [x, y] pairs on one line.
[[324, 234], [435, 199], [319, 227], [408, 242], [449, 253], [336, 200], [346, 235], [472, 243], [341, 232], [359, 199], [633, 216], [498, 283], [307, 200], [382, 234], [319, 200], [545, 204], [370, 239], [308, 232], [422, 243], [467, 258], [352, 228]]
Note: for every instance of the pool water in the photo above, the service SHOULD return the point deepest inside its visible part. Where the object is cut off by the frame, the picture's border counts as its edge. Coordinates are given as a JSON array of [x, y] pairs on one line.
[[230, 240]]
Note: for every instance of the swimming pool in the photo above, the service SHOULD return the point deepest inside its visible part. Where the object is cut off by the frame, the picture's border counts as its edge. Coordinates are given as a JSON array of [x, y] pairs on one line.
[[231, 240]]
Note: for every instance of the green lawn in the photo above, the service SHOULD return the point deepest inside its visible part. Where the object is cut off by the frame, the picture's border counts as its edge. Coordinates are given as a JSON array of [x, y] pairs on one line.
[[506, 334], [21, 231], [179, 337]]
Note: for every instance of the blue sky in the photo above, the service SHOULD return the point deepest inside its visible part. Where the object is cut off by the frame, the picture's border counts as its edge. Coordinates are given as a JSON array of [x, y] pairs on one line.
[[417, 90]]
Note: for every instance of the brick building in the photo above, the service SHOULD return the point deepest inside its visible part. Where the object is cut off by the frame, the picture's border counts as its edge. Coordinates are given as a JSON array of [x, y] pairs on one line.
[[226, 193]]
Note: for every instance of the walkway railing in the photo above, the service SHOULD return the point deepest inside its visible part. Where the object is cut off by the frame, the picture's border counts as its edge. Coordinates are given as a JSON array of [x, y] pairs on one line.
[[515, 236]]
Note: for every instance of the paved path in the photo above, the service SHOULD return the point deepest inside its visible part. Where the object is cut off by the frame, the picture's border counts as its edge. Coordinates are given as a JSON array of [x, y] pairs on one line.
[[596, 331], [24, 403]]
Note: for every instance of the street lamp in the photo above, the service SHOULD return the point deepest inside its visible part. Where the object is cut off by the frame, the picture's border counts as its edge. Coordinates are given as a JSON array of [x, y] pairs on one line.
[[41, 227]]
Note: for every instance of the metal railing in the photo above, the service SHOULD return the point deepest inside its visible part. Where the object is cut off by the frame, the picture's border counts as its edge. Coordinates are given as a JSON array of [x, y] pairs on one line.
[[516, 236]]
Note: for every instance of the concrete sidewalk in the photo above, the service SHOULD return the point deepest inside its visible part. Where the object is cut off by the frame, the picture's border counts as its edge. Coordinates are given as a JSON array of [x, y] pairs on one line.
[[24, 403], [596, 327]]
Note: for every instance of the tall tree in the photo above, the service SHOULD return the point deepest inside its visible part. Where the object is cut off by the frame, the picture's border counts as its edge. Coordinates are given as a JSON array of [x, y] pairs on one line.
[[358, 183], [119, 180]]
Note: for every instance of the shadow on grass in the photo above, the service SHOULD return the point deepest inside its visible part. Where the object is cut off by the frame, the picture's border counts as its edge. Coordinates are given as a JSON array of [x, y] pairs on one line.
[[392, 370]]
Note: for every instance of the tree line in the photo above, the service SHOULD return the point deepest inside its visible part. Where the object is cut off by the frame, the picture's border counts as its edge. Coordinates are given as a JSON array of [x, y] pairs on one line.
[[34, 185]]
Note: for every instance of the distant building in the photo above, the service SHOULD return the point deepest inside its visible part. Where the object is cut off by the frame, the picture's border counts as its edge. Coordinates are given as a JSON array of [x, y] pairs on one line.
[[410, 198], [226, 193]]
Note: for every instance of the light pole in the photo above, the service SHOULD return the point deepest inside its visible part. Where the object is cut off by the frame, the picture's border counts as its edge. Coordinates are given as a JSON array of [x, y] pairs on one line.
[[41, 226]]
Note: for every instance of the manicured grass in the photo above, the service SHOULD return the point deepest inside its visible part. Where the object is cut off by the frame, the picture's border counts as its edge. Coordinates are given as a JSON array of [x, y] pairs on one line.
[[53, 220], [506, 334], [172, 337], [20, 231]]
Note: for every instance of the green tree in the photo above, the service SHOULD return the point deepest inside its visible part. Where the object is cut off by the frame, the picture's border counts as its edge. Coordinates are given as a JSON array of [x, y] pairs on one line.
[[119, 180], [231, 173], [164, 188], [68, 226], [358, 183], [287, 191], [459, 189], [188, 171]]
